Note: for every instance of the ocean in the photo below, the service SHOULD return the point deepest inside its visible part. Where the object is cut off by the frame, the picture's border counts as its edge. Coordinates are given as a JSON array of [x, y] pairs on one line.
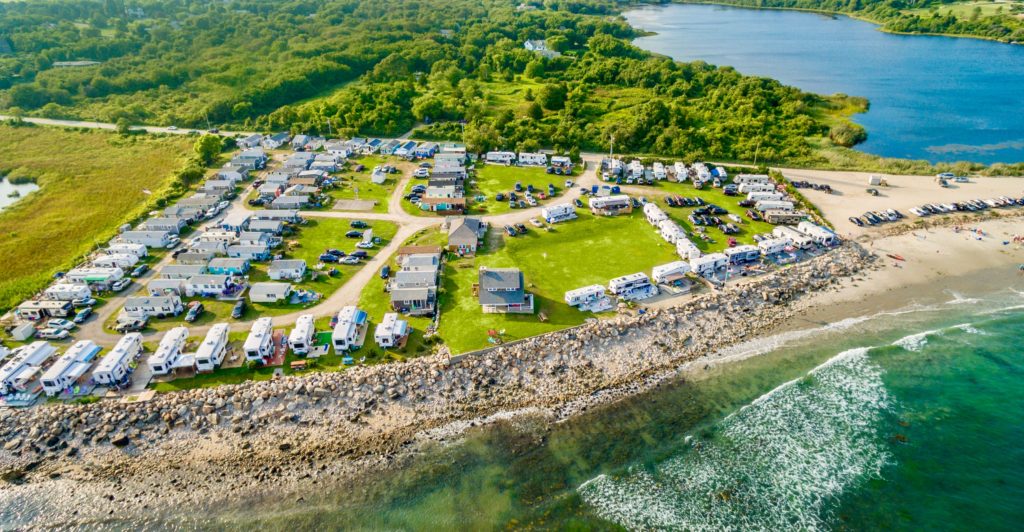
[[907, 419]]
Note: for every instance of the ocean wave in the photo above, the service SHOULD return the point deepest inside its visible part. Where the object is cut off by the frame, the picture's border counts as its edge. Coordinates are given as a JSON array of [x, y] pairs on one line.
[[959, 299], [776, 463], [969, 329], [914, 342]]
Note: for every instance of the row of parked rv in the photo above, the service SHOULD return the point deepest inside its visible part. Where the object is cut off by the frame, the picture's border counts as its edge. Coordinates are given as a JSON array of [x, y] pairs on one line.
[[558, 164], [635, 172]]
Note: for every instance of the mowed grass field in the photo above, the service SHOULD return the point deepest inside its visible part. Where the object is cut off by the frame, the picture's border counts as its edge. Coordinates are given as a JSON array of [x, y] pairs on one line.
[[90, 182], [492, 179], [585, 251]]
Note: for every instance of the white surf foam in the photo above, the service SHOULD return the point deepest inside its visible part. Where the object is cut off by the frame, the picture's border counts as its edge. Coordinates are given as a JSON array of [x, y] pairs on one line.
[[914, 342], [774, 464]]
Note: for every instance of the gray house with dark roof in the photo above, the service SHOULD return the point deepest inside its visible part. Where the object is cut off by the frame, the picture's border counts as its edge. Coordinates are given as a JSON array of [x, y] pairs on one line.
[[501, 290]]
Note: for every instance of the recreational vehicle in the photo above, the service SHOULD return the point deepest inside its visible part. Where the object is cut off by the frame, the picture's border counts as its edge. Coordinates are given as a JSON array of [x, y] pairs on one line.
[[211, 352], [350, 331], [671, 272], [391, 331], [70, 367], [169, 351], [259, 345], [708, 264], [114, 369], [561, 212], [301, 338]]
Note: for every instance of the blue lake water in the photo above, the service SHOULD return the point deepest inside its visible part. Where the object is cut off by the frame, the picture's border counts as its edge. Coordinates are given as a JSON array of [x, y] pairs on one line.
[[934, 98], [7, 189]]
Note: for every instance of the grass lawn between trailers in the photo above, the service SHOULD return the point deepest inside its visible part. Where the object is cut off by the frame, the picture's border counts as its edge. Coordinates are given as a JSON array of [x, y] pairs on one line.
[[581, 252], [317, 235], [492, 179], [355, 184]]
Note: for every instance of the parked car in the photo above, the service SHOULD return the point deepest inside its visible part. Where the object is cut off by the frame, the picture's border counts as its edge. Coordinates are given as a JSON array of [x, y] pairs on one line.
[[141, 269], [350, 260], [510, 230], [329, 257], [536, 223], [120, 285], [58, 323], [195, 309], [83, 302], [359, 254], [385, 272], [130, 325], [365, 245], [578, 203], [82, 315], [354, 234], [52, 334], [358, 224], [335, 252], [521, 229]]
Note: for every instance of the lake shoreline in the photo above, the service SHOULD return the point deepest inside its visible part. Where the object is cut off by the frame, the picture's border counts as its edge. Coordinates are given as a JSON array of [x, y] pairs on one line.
[[288, 435]]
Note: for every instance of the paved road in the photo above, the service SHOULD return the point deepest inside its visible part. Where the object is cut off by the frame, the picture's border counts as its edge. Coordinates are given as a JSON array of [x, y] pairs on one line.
[[106, 125]]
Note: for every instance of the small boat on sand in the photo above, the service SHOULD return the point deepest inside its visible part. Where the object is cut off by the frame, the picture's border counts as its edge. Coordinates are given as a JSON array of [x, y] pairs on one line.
[[896, 257]]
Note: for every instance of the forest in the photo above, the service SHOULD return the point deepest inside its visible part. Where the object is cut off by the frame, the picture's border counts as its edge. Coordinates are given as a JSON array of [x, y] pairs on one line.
[[347, 67]]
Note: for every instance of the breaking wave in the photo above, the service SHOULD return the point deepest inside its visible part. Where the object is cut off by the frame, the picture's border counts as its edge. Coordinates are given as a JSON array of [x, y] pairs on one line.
[[773, 464]]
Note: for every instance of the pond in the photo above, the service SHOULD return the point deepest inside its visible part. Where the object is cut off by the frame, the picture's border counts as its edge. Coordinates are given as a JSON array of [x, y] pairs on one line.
[[8, 190], [933, 98]]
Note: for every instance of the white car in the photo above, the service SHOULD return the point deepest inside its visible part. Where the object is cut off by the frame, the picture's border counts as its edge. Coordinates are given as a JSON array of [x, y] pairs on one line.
[[350, 260], [421, 172], [223, 205], [365, 245], [172, 128], [57, 323], [120, 285], [52, 334]]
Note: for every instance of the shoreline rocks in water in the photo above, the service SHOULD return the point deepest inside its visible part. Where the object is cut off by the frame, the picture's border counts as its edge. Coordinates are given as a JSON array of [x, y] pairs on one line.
[[205, 445]]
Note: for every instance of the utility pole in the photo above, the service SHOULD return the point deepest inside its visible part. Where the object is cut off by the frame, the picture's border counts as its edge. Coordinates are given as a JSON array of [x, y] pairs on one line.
[[207, 116], [757, 149], [611, 146], [329, 132]]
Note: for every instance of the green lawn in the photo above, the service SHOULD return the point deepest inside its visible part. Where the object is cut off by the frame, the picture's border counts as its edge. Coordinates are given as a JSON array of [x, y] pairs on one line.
[[492, 179], [312, 239], [90, 182], [589, 250], [357, 185]]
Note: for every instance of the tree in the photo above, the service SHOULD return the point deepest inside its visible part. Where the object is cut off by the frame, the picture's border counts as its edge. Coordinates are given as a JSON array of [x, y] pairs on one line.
[[123, 126], [427, 106], [534, 111], [534, 69], [552, 97], [207, 148]]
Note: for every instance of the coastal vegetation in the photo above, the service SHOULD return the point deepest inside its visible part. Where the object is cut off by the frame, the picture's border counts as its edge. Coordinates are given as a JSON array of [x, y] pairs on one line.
[[995, 20], [90, 183]]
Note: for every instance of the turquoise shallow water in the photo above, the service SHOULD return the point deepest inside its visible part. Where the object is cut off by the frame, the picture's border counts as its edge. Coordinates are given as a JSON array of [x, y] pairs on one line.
[[901, 420]]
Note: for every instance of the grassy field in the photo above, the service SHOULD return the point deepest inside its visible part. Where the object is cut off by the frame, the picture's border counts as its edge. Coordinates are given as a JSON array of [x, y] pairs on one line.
[[355, 184], [311, 240], [90, 182], [965, 10], [589, 250], [491, 179]]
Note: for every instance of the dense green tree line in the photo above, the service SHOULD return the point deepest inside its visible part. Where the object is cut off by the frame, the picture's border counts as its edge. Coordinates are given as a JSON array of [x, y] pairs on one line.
[[347, 67]]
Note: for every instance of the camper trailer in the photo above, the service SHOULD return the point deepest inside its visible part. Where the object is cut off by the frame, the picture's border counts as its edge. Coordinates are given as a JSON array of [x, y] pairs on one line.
[[633, 287], [70, 367], [820, 234], [799, 238], [561, 212], [300, 340], [708, 264], [747, 188], [671, 232], [500, 157], [751, 178], [391, 331], [659, 172], [533, 159], [777, 217], [21, 367], [211, 352], [687, 250], [67, 292], [742, 254], [169, 351], [114, 369], [259, 345], [765, 196], [671, 272], [773, 246], [766, 205], [350, 331]]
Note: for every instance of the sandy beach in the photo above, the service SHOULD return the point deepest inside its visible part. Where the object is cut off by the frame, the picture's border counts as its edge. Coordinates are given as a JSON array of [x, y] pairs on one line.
[[283, 438]]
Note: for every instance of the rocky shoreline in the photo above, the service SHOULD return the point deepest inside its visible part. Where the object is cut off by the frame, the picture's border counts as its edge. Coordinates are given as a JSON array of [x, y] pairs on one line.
[[210, 445]]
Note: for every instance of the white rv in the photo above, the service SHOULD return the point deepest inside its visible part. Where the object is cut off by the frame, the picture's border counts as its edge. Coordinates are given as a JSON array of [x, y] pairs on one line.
[[670, 272], [23, 365], [633, 287], [671, 232], [116, 260], [350, 331], [747, 188], [820, 234], [799, 238], [533, 159], [767, 205], [742, 254], [774, 246], [561, 212], [169, 351], [300, 340], [211, 352], [114, 368], [687, 250], [259, 345], [584, 295], [67, 292], [659, 171], [500, 157], [654, 214], [682, 173], [765, 196], [70, 367], [708, 264], [751, 178], [391, 331]]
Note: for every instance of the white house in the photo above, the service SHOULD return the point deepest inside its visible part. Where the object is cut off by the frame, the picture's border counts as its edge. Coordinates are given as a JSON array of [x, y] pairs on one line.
[[561, 212], [94, 275], [169, 224], [391, 331], [350, 330], [820, 234], [23, 365], [115, 367], [147, 307], [67, 292], [269, 292], [671, 232], [500, 157], [773, 246], [751, 178], [287, 269], [742, 254], [766, 205], [116, 260], [259, 345], [70, 367], [251, 141], [634, 286], [687, 250], [211, 352], [207, 285], [708, 264], [167, 353], [654, 214], [301, 338], [673, 271], [585, 297], [532, 159], [151, 239], [125, 247], [799, 238]]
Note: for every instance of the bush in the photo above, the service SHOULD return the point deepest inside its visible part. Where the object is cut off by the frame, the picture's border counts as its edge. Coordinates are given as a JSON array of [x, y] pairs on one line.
[[847, 135]]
